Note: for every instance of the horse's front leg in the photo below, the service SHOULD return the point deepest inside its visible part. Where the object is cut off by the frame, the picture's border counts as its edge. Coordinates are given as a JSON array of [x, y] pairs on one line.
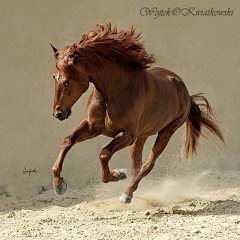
[[122, 140], [81, 133]]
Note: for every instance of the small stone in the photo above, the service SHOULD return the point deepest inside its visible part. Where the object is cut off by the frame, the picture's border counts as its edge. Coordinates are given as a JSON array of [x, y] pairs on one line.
[[174, 209], [196, 231], [147, 213], [11, 215], [163, 219]]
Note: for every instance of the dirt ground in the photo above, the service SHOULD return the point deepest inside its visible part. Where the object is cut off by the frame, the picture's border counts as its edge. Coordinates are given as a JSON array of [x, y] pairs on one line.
[[203, 206]]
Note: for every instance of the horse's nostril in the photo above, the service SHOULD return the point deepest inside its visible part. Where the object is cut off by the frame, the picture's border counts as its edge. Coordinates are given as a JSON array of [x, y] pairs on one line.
[[58, 115]]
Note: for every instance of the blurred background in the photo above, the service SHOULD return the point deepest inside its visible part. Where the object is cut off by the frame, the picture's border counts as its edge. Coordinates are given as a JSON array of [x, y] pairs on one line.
[[202, 50]]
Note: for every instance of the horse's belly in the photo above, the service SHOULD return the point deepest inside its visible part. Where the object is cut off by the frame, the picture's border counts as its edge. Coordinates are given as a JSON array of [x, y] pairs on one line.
[[153, 124]]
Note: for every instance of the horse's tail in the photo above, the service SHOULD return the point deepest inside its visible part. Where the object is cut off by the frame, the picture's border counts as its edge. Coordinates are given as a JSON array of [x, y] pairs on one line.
[[201, 115]]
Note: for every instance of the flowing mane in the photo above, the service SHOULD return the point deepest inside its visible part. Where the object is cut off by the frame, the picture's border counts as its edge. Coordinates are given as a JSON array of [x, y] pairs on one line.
[[122, 46]]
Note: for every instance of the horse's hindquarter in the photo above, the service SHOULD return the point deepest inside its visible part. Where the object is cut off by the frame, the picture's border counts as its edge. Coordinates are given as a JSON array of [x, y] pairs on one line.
[[166, 99]]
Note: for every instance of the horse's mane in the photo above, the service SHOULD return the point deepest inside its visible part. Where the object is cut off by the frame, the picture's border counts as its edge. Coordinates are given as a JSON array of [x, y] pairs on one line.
[[102, 42]]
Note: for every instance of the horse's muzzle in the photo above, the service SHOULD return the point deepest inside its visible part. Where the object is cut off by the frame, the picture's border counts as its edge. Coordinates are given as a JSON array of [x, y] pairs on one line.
[[58, 115], [61, 116]]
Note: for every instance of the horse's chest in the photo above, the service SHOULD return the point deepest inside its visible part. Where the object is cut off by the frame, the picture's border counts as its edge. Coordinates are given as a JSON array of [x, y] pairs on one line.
[[111, 126], [107, 119], [102, 121]]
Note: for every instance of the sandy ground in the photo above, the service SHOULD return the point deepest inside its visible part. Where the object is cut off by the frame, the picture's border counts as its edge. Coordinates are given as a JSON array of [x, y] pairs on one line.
[[202, 206]]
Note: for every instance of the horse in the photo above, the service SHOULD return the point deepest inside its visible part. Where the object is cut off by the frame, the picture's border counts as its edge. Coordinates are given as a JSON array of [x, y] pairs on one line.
[[130, 101]]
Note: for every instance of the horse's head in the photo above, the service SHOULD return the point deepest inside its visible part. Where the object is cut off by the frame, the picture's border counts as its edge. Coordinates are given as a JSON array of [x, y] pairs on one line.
[[71, 81]]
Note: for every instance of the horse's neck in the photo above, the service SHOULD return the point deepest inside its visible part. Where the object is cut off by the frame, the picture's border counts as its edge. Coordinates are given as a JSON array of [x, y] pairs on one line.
[[113, 81]]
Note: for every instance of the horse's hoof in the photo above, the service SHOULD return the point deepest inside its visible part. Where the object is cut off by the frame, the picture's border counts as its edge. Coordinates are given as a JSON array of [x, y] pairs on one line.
[[121, 175], [125, 198], [61, 189]]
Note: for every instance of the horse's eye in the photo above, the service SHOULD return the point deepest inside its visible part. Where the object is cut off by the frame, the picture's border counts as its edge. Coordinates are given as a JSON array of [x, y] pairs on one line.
[[66, 84]]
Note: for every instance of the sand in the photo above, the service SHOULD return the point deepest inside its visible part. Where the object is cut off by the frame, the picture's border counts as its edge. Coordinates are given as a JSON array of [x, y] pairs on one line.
[[203, 206]]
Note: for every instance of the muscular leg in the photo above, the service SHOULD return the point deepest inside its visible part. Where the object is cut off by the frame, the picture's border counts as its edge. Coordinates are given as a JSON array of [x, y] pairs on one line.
[[81, 133], [160, 144], [122, 140], [136, 154]]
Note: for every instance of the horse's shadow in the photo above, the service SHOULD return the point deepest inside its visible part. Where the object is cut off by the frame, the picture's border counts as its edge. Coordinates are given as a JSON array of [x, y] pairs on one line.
[[218, 207], [222, 207]]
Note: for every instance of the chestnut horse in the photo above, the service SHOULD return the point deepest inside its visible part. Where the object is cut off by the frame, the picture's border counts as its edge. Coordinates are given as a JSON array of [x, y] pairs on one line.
[[130, 102]]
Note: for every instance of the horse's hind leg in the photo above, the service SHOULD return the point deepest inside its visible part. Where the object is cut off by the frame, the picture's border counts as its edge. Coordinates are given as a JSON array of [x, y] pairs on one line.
[[136, 155], [161, 142]]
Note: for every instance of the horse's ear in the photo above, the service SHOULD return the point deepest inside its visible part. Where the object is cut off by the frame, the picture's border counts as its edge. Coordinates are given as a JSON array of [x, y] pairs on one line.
[[54, 50], [72, 60]]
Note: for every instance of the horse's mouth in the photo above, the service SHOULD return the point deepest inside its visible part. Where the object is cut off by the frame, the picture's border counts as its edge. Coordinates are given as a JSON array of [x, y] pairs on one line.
[[68, 114]]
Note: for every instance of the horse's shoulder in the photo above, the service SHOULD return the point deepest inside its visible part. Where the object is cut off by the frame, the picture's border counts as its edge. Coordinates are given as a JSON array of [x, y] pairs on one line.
[[96, 107], [95, 98]]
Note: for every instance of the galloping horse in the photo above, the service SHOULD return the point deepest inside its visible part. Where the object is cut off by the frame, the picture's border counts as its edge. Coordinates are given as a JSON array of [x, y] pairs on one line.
[[130, 102]]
